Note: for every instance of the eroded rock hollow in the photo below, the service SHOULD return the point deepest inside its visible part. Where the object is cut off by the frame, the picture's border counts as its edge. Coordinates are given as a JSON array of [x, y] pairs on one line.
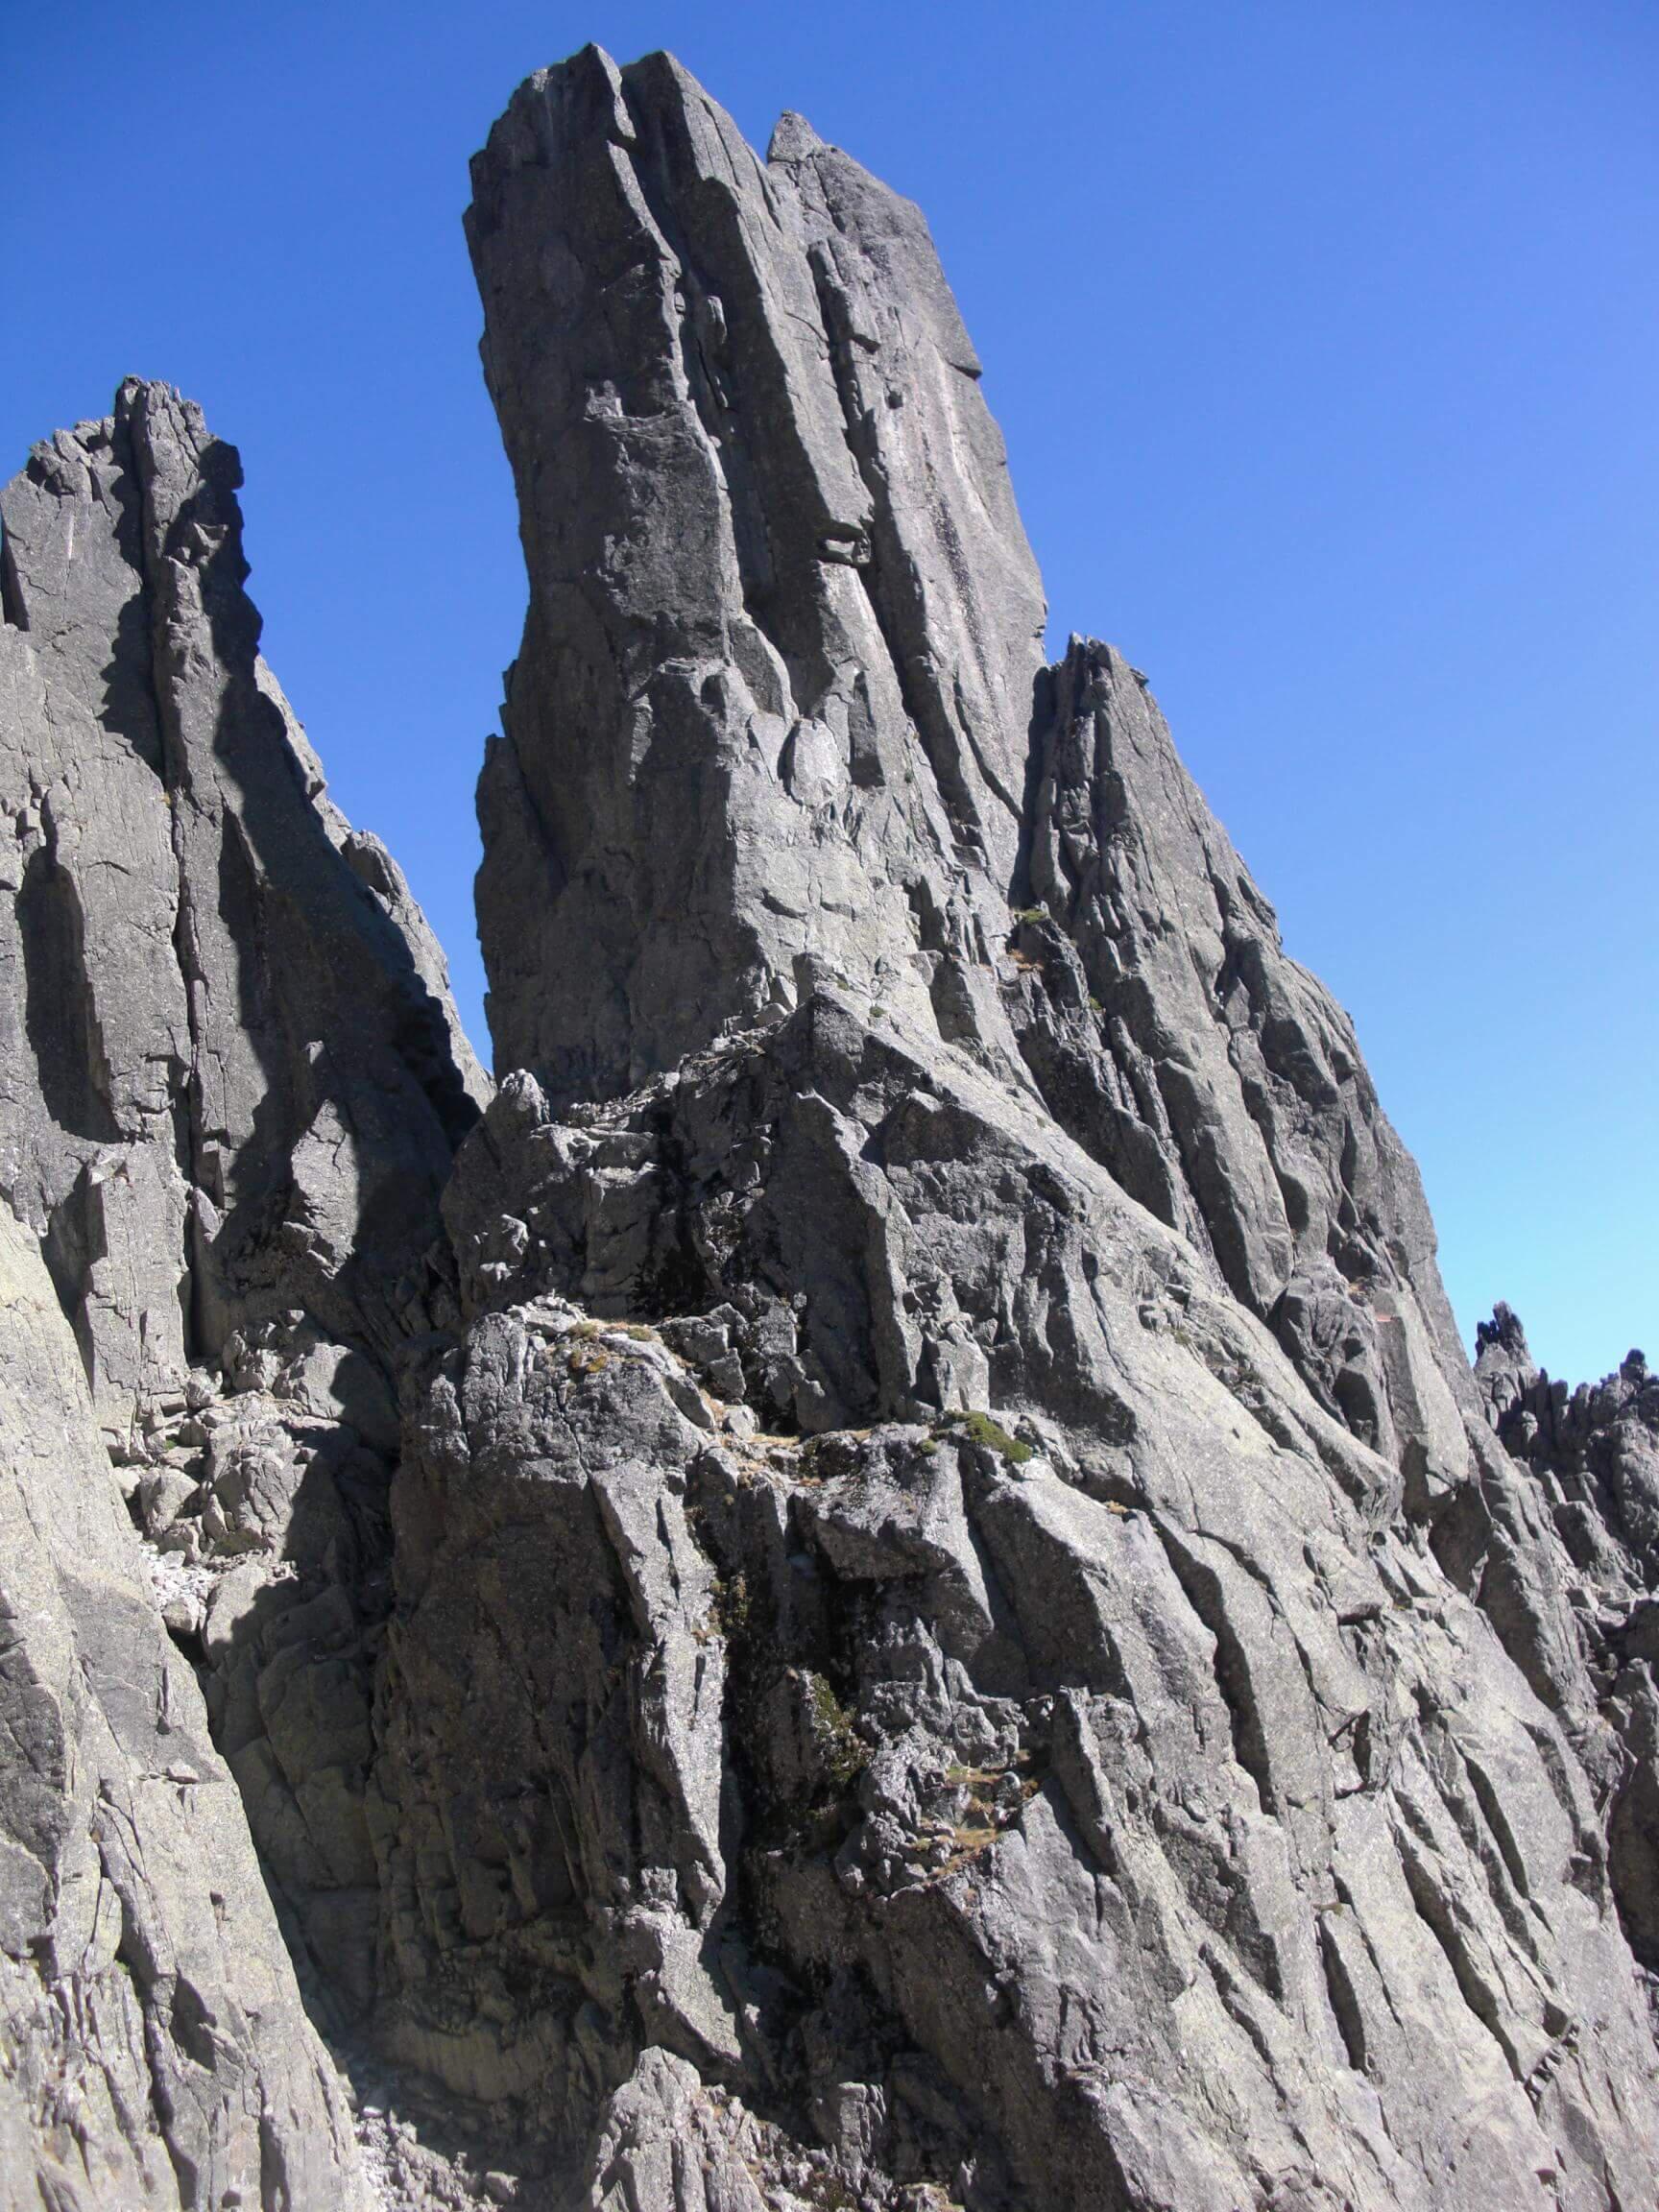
[[880, 1580]]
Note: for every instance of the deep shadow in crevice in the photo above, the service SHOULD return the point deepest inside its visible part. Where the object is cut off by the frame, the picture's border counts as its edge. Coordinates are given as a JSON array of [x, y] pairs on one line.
[[129, 708], [13, 610], [343, 1032], [59, 1012]]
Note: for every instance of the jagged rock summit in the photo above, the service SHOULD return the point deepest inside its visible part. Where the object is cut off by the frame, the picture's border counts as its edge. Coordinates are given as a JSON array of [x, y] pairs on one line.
[[881, 1583], [769, 720], [232, 1076]]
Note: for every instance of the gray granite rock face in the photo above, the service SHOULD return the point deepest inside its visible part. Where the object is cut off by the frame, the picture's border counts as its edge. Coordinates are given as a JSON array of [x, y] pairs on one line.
[[768, 524], [1059, 1770], [156, 2052], [769, 718], [232, 1077], [1223, 1087], [1592, 1453], [884, 1586], [1063, 1699], [230, 1086]]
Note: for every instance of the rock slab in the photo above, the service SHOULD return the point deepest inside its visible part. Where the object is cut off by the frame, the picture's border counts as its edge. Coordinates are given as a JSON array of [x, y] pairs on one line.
[[155, 2050]]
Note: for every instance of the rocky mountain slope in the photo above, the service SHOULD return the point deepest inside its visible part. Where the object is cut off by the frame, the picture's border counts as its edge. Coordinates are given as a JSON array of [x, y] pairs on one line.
[[230, 1086], [881, 1583]]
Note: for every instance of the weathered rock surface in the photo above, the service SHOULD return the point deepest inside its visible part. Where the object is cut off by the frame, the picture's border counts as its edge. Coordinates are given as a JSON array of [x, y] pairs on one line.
[[780, 721], [232, 1079], [940, 1618], [769, 718], [153, 2045], [1105, 1800], [230, 1086], [1594, 1455], [1105, 1724], [1223, 1087]]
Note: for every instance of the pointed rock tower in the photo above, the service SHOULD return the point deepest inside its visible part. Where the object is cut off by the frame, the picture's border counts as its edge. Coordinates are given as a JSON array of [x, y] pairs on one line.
[[882, 1582]]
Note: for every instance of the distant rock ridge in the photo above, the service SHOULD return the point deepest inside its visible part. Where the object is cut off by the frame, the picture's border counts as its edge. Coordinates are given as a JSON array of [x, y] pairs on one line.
[[1594, 1455], [880, 1582]]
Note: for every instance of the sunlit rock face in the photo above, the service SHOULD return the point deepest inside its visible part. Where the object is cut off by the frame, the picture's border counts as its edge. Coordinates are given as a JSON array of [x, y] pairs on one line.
[[769, 721], [231, 1083], [232, 1076], [884, 1584]]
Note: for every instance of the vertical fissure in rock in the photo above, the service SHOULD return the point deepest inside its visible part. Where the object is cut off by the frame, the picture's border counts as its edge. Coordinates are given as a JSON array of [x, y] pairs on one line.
[[60, 1011], [700, 314], [13, 610], [1339, 1991], [902, 629], [1437, 1915]]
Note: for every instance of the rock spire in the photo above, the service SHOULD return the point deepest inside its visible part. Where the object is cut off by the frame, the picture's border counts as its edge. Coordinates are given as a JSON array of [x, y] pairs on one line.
[[880, 1582]]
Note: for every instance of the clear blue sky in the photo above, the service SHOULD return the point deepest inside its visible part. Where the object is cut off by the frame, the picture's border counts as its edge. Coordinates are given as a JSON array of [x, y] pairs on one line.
[[1324, 334]]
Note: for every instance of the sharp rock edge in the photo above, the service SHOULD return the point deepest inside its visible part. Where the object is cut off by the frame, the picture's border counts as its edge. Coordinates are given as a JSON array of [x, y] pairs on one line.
[[881, 1583]]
